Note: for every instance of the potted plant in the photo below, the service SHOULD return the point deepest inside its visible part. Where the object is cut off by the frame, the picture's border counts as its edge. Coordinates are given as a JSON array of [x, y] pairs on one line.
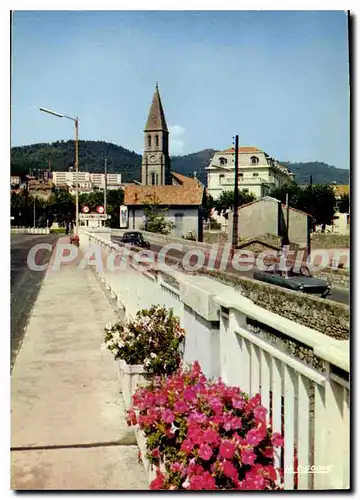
[[203, 435], [147, 345]]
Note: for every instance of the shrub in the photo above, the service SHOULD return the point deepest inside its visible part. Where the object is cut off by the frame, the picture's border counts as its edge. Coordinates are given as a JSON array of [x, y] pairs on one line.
[[153, 338], [207, 435]]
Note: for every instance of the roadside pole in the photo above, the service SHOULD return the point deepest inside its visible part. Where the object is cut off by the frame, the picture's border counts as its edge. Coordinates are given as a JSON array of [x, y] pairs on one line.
[[235, 234]]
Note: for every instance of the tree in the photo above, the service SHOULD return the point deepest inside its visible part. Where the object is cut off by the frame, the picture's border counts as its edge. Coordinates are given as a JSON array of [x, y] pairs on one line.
[[156, 220], [208, 205], [318, 201], [226, 200], [344, 204]]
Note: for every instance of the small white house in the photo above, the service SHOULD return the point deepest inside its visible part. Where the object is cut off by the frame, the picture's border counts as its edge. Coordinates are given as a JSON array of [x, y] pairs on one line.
[[182, 200]]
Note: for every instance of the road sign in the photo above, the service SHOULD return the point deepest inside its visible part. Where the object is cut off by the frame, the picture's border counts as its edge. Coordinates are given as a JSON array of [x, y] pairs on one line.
[[93, 216], [100, 209], [85, 209]]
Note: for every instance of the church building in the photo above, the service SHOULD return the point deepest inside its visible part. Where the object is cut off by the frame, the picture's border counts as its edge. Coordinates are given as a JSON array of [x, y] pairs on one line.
[[181, 196]]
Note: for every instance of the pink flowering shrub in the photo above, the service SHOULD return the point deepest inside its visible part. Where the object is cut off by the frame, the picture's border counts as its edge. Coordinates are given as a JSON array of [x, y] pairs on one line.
[[154, 338], [208, 436]]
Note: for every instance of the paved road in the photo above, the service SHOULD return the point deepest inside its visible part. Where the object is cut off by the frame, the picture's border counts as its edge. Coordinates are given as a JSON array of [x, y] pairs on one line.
[[338, 294], [25, 283]]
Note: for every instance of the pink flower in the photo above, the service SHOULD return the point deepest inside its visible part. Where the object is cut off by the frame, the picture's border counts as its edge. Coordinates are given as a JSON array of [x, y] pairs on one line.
[[202, 482], [181, 407], [196, 370], [160, 399], [216, 406], [168, 417], [236, 423], [268, 452], [227, 449], [270, 472], [238, 404], [194, 468], [277, 439], [211, 436], [131, 418], [253, 437], [189, 394], [176, 467], [155, 453], [187, 446], [158, 482], [255, 481], [205, 452], [248, 456], [260, 413], [198, 417], [230, 470]]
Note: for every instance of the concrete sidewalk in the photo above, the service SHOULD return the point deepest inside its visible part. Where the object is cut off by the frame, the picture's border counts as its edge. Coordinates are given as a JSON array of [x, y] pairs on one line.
[[68, 420]]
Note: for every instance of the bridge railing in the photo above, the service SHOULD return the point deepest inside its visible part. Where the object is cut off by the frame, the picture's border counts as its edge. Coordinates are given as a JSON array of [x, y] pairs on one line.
[[301, 374], [30, 230]]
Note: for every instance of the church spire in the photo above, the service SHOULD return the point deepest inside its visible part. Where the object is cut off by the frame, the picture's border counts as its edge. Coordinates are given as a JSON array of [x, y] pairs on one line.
[[156, 119]]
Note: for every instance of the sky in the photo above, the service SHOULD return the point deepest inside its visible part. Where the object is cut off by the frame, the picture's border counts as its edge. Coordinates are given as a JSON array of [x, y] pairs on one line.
[[278, 79]]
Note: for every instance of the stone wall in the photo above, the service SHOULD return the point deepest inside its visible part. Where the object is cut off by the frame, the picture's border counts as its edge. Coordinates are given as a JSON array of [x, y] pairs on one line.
[[337, 277], [329, 318], [326, 240], [215, 237]]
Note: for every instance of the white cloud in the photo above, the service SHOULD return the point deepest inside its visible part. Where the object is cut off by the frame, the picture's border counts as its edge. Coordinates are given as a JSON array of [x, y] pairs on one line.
[[176, 130], [176, 146]]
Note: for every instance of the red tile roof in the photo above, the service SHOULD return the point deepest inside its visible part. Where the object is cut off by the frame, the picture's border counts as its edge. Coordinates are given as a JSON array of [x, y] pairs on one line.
[[188, 192], [243, 149]]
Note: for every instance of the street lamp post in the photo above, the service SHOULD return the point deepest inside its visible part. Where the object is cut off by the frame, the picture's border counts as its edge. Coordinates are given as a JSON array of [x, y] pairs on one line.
[[76, 122]]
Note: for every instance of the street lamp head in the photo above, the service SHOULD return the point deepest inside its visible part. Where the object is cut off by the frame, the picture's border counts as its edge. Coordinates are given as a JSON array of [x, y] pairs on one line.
[[51, 112]]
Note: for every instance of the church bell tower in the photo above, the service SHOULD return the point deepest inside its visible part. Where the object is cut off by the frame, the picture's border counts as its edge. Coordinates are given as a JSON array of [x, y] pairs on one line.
[[155, 169]]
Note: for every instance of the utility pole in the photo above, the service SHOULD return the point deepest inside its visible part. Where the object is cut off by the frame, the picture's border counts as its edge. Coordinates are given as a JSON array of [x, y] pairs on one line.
[[105, 190], [34, 213], [287, 217], [235, 235]]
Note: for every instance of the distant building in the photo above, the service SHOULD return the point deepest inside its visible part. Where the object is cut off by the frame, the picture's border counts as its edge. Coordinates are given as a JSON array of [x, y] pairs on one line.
[[39, 189], [259, 173], [87, 181], [15, 180], [268, 216], [181, 196]]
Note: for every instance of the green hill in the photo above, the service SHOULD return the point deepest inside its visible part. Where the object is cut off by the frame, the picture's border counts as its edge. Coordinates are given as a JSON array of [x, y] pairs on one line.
[[60, 155]]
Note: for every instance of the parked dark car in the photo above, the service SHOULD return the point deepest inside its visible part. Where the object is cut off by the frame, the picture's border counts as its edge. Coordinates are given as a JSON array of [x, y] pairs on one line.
[[135, 238], [300, 281]]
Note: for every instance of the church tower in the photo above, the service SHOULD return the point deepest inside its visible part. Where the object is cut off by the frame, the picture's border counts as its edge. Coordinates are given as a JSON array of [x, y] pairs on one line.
[[155, 169]]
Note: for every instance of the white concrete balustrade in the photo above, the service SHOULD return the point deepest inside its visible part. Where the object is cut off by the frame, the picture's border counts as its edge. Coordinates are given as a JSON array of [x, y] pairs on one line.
[[30, 230], [301, 374]]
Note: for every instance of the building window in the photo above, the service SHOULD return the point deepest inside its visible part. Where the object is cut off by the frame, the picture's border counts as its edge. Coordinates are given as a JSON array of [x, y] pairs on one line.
[[153, 179], [254, 160], [157, 141], [223, 161], [255, 174], [221, 178], [149, 141]]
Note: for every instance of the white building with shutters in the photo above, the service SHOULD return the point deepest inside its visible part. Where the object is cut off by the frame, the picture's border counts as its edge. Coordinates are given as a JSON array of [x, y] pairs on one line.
[[259, 173]]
